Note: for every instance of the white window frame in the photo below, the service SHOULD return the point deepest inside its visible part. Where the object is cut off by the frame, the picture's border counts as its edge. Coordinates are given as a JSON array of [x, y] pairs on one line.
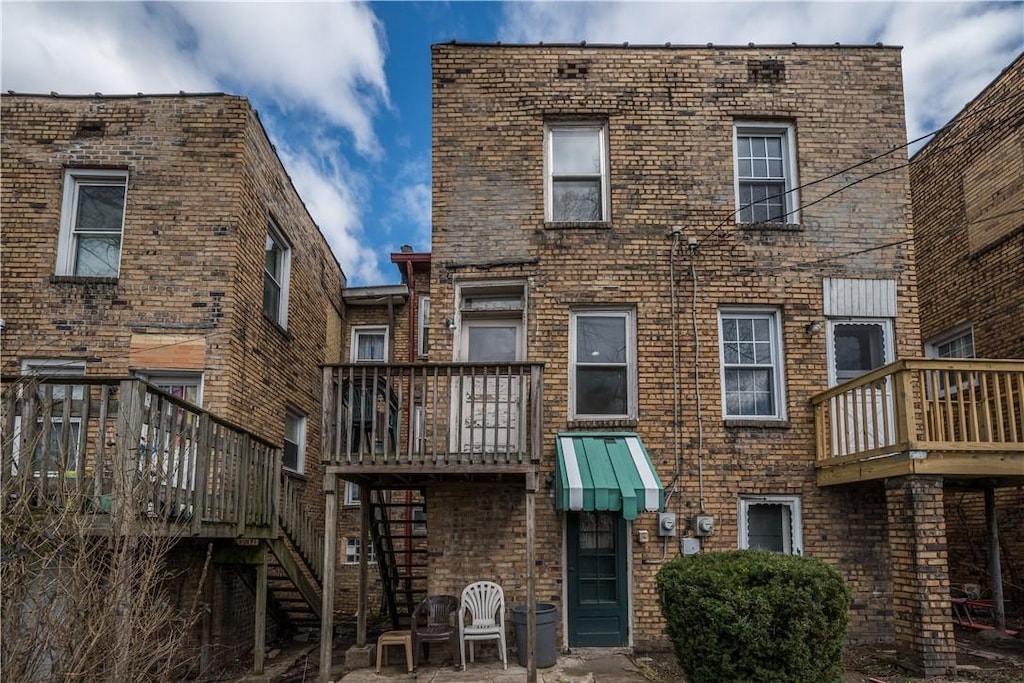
[[164, 378], [352, 498], [933, 348], [293, 414], [352, 552], [423, 326], [795, 545], [283, 279], [419, 520], [888, 342], [50, 367], [67, 241], [778, 365], [629, 315], [787, 133], [374, 330], [550, 131]]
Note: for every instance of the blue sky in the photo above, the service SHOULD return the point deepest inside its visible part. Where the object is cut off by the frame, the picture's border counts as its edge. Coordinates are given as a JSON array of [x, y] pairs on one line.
[[344, 88]]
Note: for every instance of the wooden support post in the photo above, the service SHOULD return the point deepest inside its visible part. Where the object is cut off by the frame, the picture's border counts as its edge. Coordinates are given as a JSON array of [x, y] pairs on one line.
[[995, 570], [330, 560], [260, 628], [531, 579], [364, 542], [206, 632]]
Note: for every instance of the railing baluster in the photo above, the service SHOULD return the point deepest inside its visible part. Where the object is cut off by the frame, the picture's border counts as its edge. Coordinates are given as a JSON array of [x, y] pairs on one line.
[[1011, 410]]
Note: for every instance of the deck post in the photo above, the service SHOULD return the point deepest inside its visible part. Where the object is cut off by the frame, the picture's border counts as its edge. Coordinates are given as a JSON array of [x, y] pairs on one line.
[[330, 560], [364, 542], [531, 579], [995, 570], [260, 627]]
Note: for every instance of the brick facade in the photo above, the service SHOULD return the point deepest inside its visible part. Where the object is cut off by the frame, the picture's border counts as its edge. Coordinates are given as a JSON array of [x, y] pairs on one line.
[[669, 115], [968, 198], [203, 182]]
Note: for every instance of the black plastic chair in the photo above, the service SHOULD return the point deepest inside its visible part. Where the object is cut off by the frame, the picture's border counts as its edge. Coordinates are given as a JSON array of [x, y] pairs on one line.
[[432, 623]]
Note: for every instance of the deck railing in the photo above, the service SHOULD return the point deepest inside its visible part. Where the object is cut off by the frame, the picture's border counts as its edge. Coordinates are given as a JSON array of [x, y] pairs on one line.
[[114, 445], [436, 414], [922, 406]]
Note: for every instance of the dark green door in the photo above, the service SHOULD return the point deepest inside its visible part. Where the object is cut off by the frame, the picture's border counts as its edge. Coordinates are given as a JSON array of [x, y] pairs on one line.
[[598, 598]]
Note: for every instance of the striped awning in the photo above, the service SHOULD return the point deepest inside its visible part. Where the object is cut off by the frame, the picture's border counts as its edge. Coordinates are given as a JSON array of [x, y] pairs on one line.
[[608, 472]]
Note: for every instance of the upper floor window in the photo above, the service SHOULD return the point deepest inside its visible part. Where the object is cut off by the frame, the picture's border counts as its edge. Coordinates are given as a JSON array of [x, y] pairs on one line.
[[276, 269], [602, 383], [91, 223], [956, 344], [187, 386], [423, 327], [751, 364], [765, 173], [294, 440], [576, 164], [370, 345]]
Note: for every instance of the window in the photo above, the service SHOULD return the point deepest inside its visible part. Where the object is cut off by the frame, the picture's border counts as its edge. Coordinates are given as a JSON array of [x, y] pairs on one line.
[[352, 552], [294, 441], [351, 493], [419, 521], [856, 347], [765, 173], [48, 454], [91, 223], [370, 345], [577, 173], [751, 364], [602, 383], [276, 269], [423, 343], [956, 344], [188, 386], [771, 523]]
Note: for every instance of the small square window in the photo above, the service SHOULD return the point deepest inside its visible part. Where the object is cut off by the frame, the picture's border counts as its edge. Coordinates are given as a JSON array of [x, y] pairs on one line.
[[602, 383], [92, 223], [576, 163], [352, 552], [765, 173], [276, 274], [751, 364], [771, 523], [294, 441], [370, 345]]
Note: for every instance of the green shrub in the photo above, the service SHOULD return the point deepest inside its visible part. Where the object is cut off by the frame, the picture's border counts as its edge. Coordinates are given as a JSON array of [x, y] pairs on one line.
[[752, 617]]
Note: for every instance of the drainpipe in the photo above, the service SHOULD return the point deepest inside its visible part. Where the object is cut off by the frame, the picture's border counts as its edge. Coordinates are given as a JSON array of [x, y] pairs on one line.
[[412, 358]]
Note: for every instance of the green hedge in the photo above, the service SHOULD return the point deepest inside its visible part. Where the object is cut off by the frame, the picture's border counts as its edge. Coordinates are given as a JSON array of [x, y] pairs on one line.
[[751, 617]]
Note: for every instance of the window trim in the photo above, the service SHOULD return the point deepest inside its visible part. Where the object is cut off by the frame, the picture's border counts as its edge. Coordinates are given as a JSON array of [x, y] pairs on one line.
[[796, 540], [170, 377], [301, 426], [67, 240], [774, 316], [931, 347], [423, 326], [283, 282], [549, 180], [888, 341], [787, 131], [354, 542], [352, 498], [629, 314], [360, 330], [31, 367]]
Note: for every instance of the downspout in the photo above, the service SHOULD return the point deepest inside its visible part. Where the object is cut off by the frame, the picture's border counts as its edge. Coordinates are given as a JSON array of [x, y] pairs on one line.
[[412, 358]]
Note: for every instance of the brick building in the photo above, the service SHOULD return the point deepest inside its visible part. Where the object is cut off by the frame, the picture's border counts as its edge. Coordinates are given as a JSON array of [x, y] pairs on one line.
[[160, 237], [968, 202], [681, 269]]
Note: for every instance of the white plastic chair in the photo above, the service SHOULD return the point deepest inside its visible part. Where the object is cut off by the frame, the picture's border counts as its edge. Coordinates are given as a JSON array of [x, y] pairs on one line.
[[485, 602]]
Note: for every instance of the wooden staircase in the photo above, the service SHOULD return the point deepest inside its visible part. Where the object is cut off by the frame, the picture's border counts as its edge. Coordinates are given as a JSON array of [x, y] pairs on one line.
[[401, 557]]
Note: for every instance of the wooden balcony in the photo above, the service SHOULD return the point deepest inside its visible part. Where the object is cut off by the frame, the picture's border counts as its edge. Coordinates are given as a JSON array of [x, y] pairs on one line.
[[133, 459], [960, 418], [432, 419]]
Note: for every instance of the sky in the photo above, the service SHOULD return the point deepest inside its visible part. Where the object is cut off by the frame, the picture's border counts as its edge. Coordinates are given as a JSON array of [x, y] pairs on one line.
[[343, 88]]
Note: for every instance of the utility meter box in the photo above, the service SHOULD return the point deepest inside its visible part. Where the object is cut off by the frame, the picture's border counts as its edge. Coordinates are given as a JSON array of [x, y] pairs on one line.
[[703, 525], [666, 524]]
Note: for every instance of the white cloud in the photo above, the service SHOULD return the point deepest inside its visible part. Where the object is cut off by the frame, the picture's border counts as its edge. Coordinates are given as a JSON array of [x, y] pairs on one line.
[[951, 50], [320, 65]]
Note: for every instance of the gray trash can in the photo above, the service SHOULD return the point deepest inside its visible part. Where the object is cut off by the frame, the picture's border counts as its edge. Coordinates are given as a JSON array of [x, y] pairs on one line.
[[547, 616]]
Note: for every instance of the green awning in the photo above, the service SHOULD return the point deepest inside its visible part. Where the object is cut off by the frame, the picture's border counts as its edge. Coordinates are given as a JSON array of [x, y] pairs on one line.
[[606, 471]]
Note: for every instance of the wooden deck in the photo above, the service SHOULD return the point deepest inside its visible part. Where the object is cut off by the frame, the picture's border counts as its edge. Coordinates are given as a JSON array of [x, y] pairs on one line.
[[403, 422], [960, 418], [127, 455]]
